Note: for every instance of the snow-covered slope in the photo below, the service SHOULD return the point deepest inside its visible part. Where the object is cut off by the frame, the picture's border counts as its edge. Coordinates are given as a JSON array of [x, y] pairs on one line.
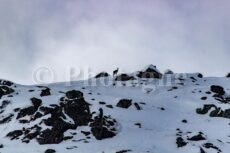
[[136, 113]]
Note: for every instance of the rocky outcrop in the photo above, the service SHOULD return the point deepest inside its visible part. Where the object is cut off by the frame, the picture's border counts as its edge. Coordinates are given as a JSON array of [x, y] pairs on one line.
[[150, 72], [124, 103], [73, 106], [124, 77], [102, 75]]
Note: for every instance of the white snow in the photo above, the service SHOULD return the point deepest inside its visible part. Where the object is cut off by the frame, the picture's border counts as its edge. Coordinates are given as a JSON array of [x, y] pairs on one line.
[[158, 131]]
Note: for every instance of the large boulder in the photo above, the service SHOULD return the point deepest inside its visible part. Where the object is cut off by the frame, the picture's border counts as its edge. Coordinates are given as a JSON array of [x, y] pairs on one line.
[[45, 92], [124, 77], [5, 90], [217, 89], [124, 103], [103, 127], [102, 74], [78, 110], [74, 94], [150, 72]]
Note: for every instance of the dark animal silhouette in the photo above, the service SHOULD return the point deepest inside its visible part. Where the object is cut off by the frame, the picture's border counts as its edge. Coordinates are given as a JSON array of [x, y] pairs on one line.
[[115, 72]]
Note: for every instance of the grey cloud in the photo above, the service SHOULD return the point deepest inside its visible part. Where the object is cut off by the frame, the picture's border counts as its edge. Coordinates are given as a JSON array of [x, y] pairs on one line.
[[186, 36]]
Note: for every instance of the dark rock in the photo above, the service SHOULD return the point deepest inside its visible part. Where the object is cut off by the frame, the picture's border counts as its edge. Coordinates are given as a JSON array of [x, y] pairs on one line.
[[50, 136], [102, 103], [184, 121], [67, 138], [74, 94], [36, 102], [101, 127], [109, 106], [138, 124], [203, 98], [198, 137], [50, 151], [202, 150], [79, 111], [6, 119], [26, 111], [217, 89], [86, 133], [124, 103], [180, 142], [45, 92], [150, 73], [228, 75], [216, 113], [200, 75], [6, 82], [210, 145], [226, 113], [46, 110], [205, 109], [15, 134], [123, 151], [102, 133], [102, 74], [4, 104], [5, 90], [137, 106], [124, 77], [37, 115]]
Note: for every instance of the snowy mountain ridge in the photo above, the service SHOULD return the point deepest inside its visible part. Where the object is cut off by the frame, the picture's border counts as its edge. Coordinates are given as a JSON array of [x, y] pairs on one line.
[[141, 112]]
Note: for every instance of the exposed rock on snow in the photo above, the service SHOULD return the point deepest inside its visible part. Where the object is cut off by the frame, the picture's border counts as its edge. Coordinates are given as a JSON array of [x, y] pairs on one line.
[[124, 77], [124, 103], [102, 74], [189, 114], [150, 72]]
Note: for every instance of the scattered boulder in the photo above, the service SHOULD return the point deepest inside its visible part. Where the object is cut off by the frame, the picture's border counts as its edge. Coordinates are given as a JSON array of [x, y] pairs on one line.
[[124, 77], [205, 109], [6, 82], [203, 98], [50, 136], [27, 111], [50, 151], [78, 110], [150, 72], [102, 75], [180, 142], [198, 137], [74, 94], [138, 107], [36, 102], [45, 92], [103, 126], [199, 75], [217, 89], [123, 151], [5, 90], [124, 103], [15, 134], [228, 75], [6, 119]]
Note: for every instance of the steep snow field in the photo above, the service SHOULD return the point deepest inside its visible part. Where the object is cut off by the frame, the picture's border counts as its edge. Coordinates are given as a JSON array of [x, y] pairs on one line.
[[168, 120]]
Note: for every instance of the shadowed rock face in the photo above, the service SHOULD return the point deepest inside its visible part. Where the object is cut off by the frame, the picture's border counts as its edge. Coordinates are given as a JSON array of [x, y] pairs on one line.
[[5, 90], [124, 77], [45, 92], [102, 74], [124, 103], [73, 106], [149, 73]]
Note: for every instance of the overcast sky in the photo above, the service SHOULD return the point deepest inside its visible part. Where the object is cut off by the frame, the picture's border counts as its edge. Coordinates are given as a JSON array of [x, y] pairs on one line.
[[183, 35]]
